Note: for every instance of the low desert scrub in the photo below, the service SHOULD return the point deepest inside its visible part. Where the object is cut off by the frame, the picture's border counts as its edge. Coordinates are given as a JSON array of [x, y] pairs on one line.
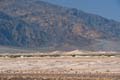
[[28, 78], [88, 76]]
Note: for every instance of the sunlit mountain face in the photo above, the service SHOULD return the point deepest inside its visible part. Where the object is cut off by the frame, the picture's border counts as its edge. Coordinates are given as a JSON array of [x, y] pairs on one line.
[[37, 24]]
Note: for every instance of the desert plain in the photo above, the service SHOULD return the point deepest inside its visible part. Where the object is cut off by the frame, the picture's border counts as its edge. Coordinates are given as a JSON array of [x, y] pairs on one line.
[[60, 68]]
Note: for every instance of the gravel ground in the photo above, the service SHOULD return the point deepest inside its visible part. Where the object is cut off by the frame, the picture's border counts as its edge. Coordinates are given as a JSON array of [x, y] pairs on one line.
[[64, 65], [60, 68]]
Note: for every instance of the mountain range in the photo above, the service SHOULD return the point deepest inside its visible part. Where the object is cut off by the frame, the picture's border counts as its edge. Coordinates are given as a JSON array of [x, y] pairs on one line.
[[36, 24]]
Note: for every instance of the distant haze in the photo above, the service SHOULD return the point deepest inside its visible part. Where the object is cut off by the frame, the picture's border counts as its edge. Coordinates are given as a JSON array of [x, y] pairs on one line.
[[106, 8]]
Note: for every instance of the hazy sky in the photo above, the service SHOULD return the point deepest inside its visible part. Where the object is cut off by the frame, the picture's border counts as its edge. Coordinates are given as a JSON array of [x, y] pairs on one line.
[[106, 8]]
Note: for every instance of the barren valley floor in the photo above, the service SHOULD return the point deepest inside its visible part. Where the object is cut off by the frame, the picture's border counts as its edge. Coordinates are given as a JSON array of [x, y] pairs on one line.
[[60, 68]]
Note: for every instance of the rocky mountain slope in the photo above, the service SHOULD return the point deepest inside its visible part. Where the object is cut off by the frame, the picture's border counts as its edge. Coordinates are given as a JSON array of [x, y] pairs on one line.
[[37, 24]]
